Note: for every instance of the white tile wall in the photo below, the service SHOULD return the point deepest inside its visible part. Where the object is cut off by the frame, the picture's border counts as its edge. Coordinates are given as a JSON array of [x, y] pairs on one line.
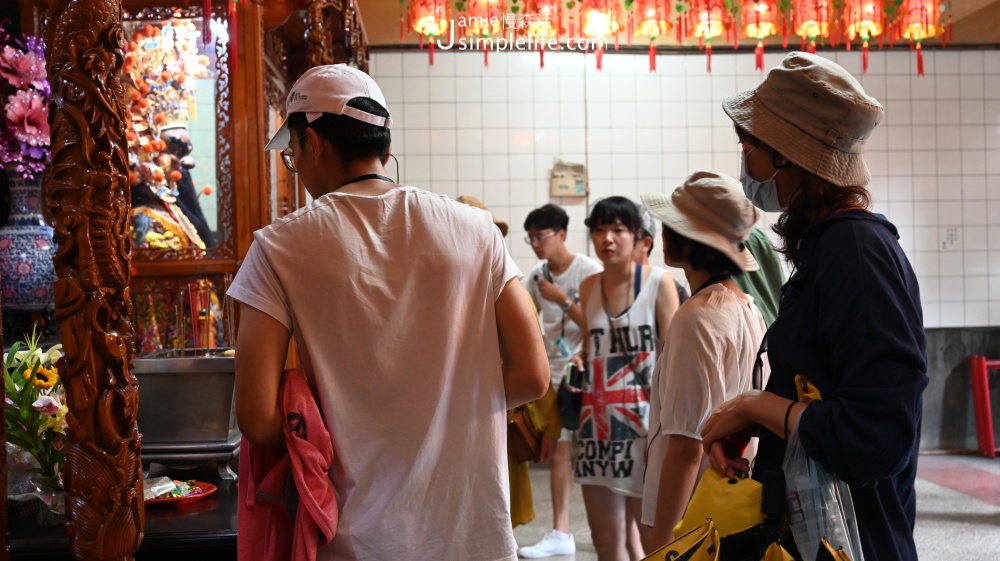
[[494, 131]]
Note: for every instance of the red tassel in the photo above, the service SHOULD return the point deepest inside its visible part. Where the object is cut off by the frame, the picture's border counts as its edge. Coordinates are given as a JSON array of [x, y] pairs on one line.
[[600, 55], [677, 27], [652, 55], [784, 33], [206, 20], [628, 36], [812, 46], [864, 58], [402, 29], [421, 41], [708, 53], [541, 56], [701, 43], [616, 41], [912, 46], [880, 41], [920, 60], [759, 58], [848, 45], [486, 58], [233, 62], [432, 49], [951, 31]]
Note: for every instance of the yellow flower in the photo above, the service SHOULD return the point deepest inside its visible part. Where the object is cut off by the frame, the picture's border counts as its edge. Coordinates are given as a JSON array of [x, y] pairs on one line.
[[44, 377]]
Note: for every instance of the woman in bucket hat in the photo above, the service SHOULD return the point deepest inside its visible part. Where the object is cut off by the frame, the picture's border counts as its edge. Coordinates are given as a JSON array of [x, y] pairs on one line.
[[712, 342], [849, 332]]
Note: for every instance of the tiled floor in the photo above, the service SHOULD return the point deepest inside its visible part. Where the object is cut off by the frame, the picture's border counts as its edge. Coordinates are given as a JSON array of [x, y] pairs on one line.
[[958, 510]]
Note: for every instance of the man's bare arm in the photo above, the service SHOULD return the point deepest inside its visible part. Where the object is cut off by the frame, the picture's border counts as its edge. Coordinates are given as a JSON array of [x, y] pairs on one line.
[[525, 365], [260, 358]]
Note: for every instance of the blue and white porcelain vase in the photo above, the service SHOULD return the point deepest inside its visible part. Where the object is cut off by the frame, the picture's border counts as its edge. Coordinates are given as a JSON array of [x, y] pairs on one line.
[[26, 248]]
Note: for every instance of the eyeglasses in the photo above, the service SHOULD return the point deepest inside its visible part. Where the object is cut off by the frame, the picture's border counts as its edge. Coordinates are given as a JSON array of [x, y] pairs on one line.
[[288, 158], [533, 240]]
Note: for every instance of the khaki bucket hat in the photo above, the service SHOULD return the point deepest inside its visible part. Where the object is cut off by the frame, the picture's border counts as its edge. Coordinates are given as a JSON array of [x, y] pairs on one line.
[[814, 113], [710, 208]]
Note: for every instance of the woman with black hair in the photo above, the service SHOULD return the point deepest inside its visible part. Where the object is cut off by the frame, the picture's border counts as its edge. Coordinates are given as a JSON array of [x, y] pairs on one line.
[[712, 341], [627, 309]]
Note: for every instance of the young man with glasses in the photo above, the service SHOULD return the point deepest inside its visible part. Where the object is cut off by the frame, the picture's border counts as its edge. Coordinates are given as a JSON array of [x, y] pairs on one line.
[[554, 285], [409, 320]]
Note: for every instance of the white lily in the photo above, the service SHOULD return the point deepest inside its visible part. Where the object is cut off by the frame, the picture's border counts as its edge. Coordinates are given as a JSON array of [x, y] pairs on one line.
[[52, 355]]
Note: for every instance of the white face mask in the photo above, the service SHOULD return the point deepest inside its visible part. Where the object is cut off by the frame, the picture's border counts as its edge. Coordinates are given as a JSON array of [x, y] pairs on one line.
[[763, 194]]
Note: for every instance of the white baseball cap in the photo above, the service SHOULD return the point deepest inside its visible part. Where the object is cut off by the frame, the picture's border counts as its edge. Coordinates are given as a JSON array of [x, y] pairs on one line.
[[327, 89]]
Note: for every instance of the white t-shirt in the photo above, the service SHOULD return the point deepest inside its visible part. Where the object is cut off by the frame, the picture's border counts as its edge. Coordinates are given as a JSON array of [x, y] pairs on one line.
[[711, 347], [555, 322], [391, 301]]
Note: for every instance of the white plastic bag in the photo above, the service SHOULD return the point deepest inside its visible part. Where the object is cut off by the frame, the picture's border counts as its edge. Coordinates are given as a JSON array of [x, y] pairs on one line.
[[819, 505]]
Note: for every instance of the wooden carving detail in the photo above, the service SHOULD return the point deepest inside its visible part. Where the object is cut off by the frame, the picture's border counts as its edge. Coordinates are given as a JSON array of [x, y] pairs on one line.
[[319, 45], [87, 197], [224, 147]]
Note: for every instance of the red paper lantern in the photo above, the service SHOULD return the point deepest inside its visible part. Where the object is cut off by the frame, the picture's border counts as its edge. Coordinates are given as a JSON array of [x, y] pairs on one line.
[[709, 20], [654, 22], [920, 21], [429, 18], [759, 22], [544, 23], [864, 22], [814, 22]]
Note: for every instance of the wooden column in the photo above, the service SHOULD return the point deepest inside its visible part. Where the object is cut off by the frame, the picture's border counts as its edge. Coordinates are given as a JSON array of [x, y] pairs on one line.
[[86, 193], [249, 127]]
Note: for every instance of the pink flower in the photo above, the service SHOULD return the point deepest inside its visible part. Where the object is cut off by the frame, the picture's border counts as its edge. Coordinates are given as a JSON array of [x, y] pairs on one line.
[[29, 117], [22, 69], [47, 405]]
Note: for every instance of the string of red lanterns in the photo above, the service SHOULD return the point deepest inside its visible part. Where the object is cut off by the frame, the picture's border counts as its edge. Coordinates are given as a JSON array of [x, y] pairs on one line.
[[599, 22]]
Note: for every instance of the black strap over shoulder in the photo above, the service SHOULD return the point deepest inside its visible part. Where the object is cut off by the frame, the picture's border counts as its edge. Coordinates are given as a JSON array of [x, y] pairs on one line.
[[758, 365]]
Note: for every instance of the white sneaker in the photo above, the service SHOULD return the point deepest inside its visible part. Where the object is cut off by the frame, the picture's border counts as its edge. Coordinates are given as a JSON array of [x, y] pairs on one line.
[[550, 545]]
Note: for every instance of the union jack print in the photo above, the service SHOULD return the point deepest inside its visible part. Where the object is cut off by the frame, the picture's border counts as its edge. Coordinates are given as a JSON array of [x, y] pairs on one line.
[[617, 404]]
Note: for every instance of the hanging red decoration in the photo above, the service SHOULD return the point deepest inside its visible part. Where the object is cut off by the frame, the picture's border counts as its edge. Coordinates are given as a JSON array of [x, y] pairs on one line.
[[864, 22], [482, 19], [600, 21], [709, 23], [544, 23], [429, 18], [813, 22], [654, 22], [920, 21], [759, 23]]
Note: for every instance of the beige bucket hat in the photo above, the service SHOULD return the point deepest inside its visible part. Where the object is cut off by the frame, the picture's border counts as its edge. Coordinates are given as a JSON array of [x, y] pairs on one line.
[[814, 113], [710, 208]]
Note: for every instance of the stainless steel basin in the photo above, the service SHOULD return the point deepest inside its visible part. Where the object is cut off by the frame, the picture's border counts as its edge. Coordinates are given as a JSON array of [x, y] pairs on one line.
[[186, 414]]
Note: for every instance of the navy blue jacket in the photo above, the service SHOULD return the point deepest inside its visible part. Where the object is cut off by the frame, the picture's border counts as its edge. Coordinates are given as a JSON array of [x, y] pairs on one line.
[[850, 321]]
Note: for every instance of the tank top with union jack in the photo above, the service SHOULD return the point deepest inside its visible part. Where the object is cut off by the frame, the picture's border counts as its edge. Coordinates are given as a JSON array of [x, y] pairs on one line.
[[614, 417]]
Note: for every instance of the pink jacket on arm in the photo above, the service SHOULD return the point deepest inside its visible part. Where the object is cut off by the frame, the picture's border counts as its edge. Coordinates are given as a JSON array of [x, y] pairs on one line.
[[265, 529]]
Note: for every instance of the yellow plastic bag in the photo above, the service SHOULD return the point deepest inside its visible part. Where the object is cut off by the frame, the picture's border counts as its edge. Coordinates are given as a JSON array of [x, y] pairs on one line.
[[776, 553], [700, 544], [732, 504]]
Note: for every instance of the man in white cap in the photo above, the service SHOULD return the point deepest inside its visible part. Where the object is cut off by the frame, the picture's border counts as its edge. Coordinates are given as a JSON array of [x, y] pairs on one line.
[[409, 320]]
